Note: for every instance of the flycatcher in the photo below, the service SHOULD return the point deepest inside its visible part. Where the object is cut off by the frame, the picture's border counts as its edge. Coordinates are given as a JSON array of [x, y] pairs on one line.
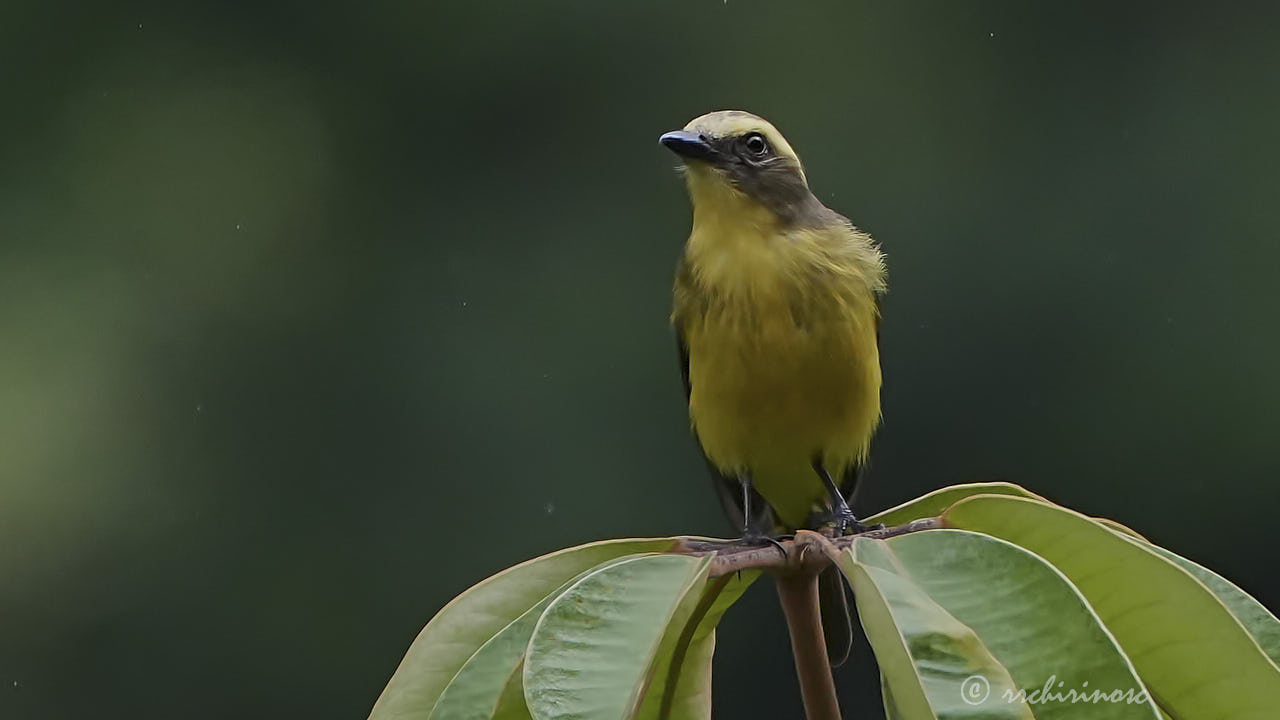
[[777, 323]]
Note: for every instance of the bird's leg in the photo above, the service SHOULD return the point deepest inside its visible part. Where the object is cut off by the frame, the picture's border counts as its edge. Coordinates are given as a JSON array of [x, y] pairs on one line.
[[744, 482], [756, 526], [753, 533], [841, 515]]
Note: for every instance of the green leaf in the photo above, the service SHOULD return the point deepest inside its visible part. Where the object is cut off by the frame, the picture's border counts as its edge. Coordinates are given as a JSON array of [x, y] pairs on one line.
[[891, 711], [1122, 529], [688, 664], [1194, 656], [934, 503], [1030, 618], [928, 658], [1261, 624], [511, 705], [467, 623], [475, 691], [592, 650]]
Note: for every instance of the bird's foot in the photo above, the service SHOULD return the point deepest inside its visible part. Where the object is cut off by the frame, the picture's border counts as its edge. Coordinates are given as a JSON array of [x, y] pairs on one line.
[[750, 540], [842, 522], [755, 538]]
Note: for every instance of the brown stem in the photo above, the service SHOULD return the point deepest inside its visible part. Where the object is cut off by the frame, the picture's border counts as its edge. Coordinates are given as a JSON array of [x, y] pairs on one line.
[[798, 592], [730, 558], [796, 565]]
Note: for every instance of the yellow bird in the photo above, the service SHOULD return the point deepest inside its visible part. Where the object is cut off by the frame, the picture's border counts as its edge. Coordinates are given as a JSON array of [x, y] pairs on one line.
[[777, 322]]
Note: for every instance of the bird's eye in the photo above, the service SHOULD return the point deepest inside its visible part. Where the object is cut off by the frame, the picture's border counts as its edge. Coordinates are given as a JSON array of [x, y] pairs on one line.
[[756, 144]]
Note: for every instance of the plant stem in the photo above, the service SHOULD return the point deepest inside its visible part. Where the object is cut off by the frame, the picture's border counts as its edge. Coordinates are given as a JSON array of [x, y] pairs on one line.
[[796, 565], [731, 558], [799, 595]]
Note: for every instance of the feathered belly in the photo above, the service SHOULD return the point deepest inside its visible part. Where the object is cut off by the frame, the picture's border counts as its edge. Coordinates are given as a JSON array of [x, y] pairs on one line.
[[770, 396]]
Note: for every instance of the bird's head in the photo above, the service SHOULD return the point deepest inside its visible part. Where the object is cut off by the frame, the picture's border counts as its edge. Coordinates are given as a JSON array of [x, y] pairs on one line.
[[734, 154]]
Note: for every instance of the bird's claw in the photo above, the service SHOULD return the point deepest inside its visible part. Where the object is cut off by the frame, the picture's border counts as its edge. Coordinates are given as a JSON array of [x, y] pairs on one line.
[[756, 539], [749, 539]]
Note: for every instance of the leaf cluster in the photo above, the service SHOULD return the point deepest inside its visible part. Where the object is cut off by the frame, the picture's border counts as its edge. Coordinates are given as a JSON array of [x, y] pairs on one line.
[[1009, 607]]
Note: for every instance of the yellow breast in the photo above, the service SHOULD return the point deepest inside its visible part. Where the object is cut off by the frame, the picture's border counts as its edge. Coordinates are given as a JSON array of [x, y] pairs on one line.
[[783, 359]]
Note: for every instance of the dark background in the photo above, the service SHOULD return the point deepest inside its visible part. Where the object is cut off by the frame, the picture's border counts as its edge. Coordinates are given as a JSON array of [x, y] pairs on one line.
[[311, 317]]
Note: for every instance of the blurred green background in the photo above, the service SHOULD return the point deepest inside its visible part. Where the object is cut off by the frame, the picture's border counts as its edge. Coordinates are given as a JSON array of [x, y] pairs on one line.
[[313, 314]]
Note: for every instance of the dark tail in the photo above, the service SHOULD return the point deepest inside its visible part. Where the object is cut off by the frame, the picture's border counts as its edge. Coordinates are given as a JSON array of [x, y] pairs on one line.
[[837, 625]]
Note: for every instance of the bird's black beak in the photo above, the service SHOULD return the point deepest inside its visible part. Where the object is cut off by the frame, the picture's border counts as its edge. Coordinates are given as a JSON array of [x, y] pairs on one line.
[[688, 145]]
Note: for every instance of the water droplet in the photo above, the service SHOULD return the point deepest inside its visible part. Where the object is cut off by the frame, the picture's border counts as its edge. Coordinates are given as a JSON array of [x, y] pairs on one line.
[[991, 34], [199, 407], [549, 507], [237, 227]]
